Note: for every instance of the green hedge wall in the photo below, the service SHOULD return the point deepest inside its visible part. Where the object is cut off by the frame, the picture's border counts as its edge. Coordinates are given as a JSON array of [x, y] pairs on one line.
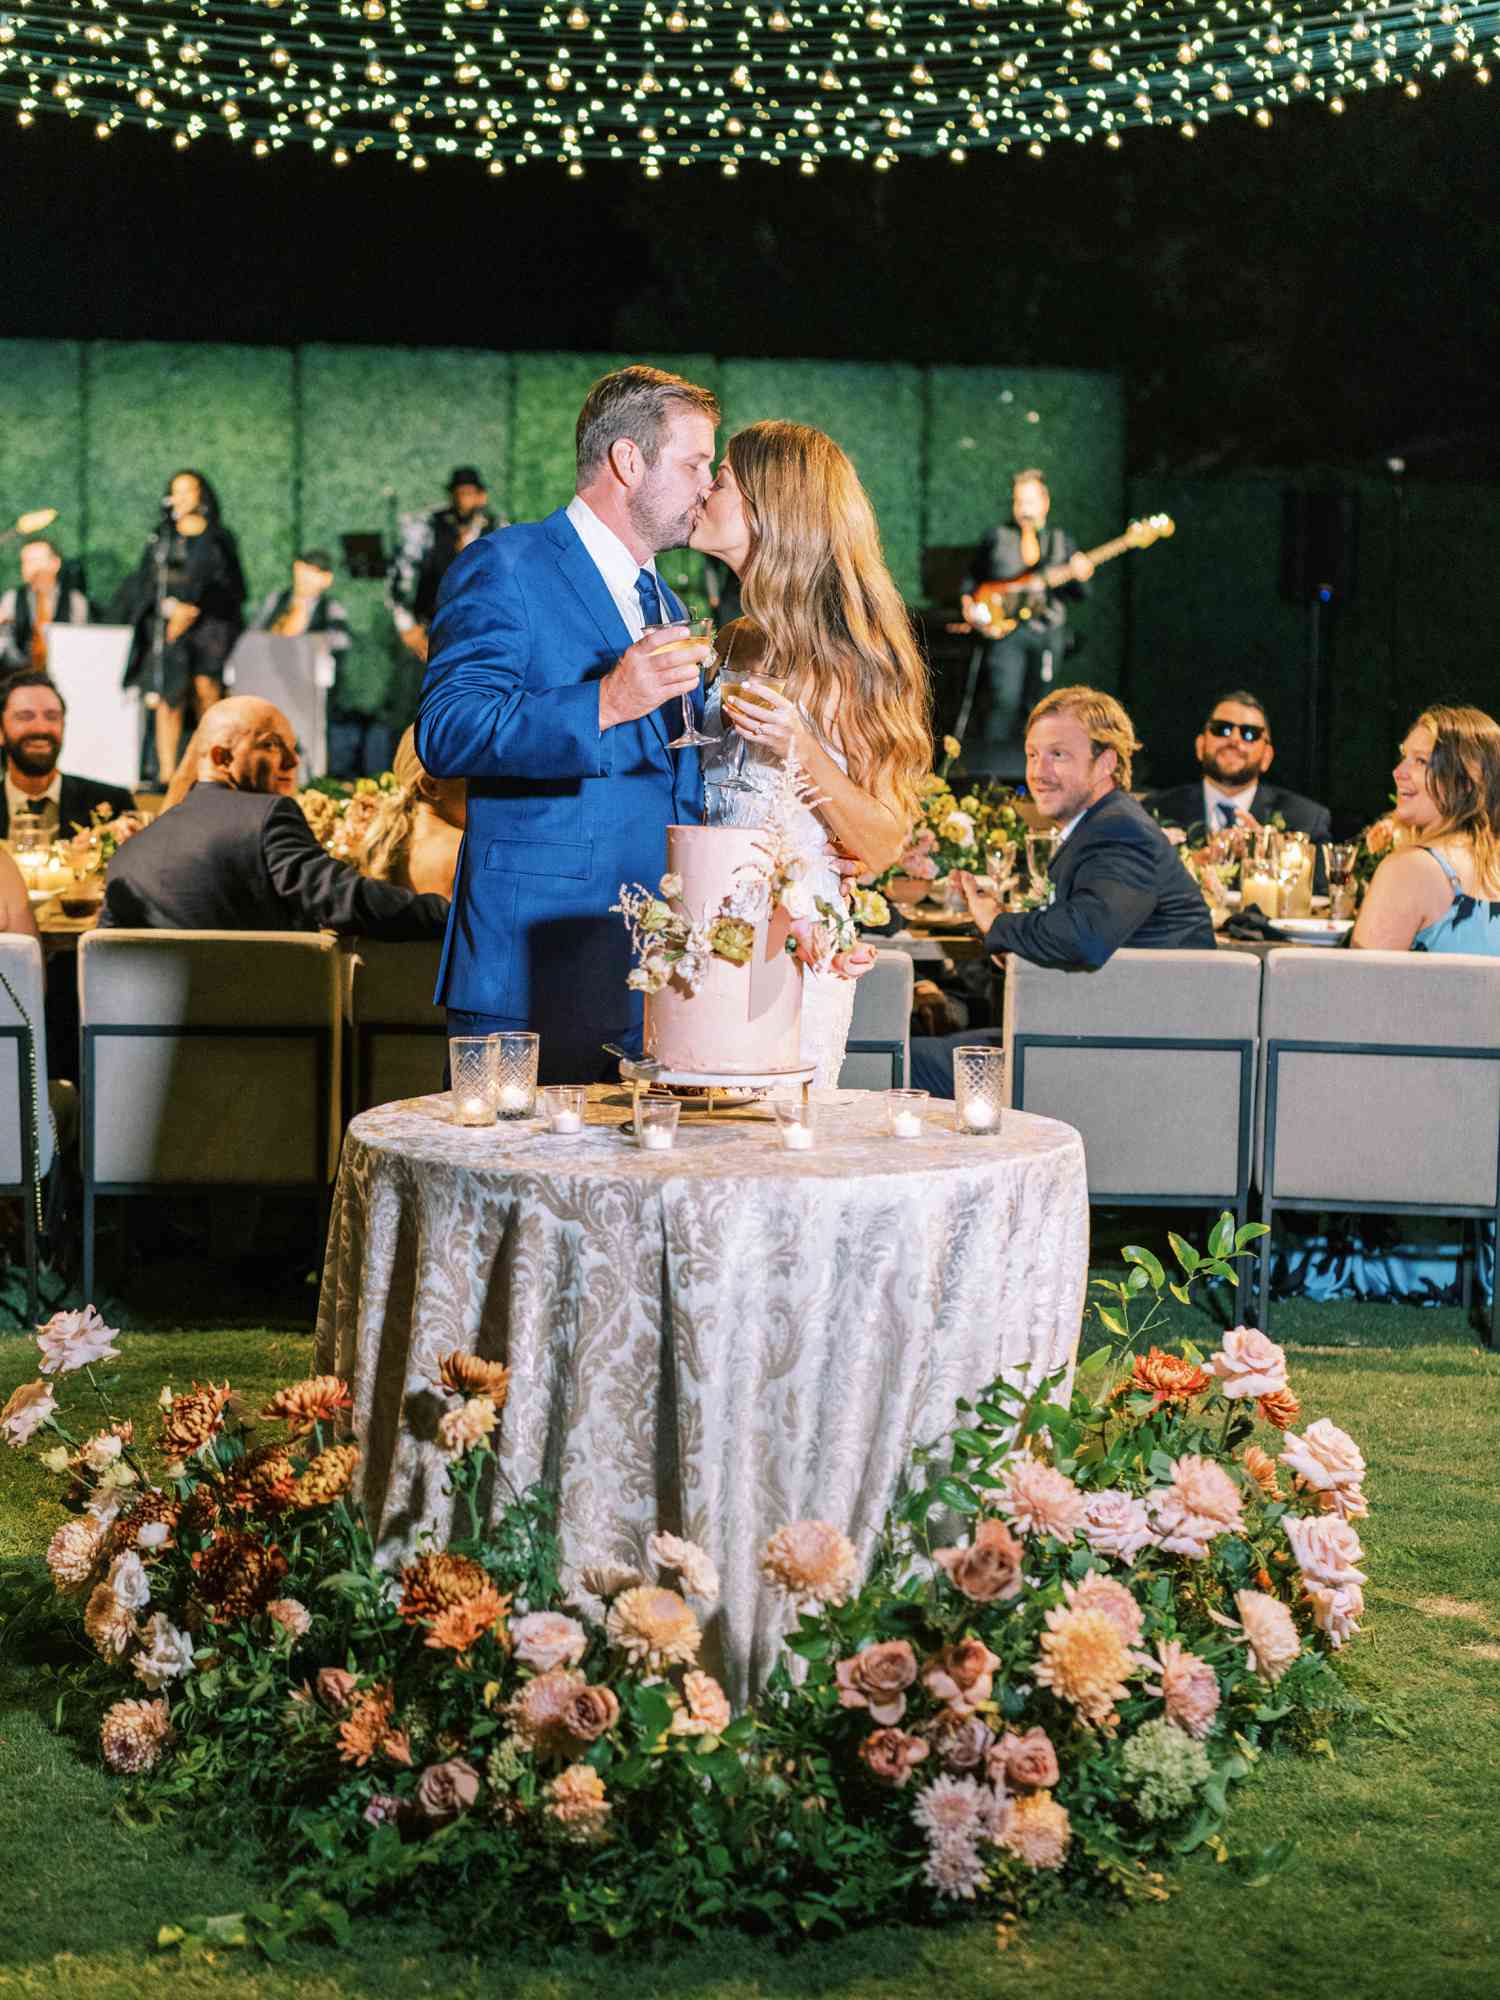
[[380, 429], [985, 424], [41, 422]]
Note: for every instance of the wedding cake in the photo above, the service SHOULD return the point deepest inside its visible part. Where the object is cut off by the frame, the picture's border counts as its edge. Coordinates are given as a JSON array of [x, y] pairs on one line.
[[730, 1019]]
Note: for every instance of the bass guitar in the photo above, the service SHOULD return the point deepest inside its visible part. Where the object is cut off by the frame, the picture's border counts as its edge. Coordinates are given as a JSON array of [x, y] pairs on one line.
[[997, 608]]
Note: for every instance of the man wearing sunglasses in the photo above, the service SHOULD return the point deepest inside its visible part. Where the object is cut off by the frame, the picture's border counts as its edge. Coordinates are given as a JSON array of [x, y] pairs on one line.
[[1234, 751]]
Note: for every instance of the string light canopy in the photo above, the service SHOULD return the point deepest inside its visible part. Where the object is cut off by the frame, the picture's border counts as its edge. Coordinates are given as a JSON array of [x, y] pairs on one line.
[[672, 83]]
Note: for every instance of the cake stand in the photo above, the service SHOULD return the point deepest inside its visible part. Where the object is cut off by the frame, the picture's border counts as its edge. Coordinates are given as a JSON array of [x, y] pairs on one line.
[[717, 1086]]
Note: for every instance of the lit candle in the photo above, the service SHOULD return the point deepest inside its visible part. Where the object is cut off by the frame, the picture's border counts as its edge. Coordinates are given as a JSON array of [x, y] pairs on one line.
[[656, 1138], [475, 1111], [907, 1125], [979, 1116], [796, 1138], [566, 1121], [1262, 892], [515, 1097]]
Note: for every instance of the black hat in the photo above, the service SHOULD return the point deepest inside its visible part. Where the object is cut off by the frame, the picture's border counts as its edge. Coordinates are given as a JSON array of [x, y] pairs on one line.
[[465, 475]]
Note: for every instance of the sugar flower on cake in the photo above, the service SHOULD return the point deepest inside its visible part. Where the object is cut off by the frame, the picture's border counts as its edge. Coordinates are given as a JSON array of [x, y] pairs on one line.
[[1248, 1364], [1187, 1686], [876, 1678], [72, 1340], [1266, 1626], [698, 1576], [986, 1570], [133, 1734], [1037, 1499], [27, 1409], [1085, 1661], [811, 1562], [165, 1654], [1201, 1503], [1330, 1462], [653, 1627], [1116, 1524], [545, 1639], [1038, 1831]]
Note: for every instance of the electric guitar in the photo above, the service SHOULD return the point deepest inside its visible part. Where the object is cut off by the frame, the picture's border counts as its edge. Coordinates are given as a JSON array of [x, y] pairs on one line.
[[996, 609]]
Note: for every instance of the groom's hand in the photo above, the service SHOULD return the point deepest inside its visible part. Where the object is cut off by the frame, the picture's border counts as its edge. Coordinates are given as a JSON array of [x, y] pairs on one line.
[[664, 662]]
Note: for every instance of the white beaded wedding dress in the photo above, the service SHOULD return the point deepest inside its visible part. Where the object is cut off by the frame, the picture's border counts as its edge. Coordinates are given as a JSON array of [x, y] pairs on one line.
[[827, 1001]]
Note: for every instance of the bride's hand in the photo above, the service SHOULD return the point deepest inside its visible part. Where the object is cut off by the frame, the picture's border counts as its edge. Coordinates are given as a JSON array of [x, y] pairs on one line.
[[769, 719]]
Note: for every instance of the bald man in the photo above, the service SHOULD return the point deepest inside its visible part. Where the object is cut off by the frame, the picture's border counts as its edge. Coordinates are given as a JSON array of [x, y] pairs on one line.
[[237, 855]]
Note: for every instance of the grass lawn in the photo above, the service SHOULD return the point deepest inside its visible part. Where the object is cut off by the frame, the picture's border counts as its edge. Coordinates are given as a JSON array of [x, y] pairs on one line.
[[1393, 1890]]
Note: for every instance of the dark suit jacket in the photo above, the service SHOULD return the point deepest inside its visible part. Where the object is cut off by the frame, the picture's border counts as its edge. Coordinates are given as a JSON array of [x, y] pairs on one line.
[[77, 800], [999, 556], [247, 861], [1118, 882], [1182, 805]]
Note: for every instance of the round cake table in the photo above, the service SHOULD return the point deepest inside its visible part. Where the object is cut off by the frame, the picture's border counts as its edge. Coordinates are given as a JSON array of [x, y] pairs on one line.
[[714, 1340]]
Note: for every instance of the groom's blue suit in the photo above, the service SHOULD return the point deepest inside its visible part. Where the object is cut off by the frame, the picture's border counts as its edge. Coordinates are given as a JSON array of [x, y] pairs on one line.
[[560, 812]]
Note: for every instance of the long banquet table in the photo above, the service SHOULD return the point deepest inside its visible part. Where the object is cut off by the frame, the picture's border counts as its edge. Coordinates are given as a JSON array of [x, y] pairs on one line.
[[714, 1340]]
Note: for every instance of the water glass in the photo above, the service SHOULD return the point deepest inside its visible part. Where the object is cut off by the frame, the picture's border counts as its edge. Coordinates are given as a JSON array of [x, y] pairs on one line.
[[1041, 852], [473, 1072], [905, 1111], [514, 1057], [796, 1124], [979, 1087], [656, 1123], [564, 1105]]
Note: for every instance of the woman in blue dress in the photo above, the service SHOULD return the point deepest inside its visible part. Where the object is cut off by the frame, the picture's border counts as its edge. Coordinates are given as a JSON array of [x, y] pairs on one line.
[[1438, 890]]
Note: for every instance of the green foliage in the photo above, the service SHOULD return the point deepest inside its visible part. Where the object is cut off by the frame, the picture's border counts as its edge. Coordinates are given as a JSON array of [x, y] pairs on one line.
[[41, 420]]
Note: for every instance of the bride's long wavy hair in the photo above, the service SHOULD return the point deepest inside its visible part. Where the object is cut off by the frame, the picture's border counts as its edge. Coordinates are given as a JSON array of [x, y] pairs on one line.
[[817, 585]]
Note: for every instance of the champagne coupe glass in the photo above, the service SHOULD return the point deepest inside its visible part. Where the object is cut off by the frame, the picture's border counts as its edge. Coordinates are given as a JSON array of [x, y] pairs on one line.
[[1000, 866], [1041, 852], [692, 737], [775, 676]]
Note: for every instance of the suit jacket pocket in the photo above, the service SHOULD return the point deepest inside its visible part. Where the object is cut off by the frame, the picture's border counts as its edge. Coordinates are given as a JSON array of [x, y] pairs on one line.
[[563, 860]]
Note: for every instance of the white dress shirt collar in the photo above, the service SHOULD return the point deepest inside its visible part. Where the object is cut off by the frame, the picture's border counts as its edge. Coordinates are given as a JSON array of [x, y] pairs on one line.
[[614, 562], [17, 801], [1213, 795]]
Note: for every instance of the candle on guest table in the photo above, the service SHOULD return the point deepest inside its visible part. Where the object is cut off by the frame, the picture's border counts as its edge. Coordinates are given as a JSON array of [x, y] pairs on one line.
[[656, 1138], [515, 1097], [476, 1111], [979, 1116], [1263, 893], [907, 1125], [566, 1121], [796, 1138]]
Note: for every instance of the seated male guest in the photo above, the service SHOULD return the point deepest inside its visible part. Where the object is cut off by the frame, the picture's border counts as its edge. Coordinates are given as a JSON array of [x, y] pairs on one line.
[[43, 600], [1116, 879], [1234, 752], [237, 853], [36, 792]]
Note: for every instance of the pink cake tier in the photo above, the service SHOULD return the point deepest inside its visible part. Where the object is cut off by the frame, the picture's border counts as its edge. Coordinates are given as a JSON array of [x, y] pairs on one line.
[[743, 1020]]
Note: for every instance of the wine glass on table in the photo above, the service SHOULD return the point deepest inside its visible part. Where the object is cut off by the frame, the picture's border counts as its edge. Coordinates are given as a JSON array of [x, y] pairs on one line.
[[1340, 858], [1000, 867], [1041, 852]]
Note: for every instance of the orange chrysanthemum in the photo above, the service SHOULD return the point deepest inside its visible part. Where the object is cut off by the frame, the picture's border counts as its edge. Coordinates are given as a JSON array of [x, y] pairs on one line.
[[151, 1507], [462, 1625], [467, 1375], [303, 1404], [437, 1581], [1084, 1661], [193, 1420], [1166, 1378], [261, 1482], [366, 1728], [238, 1574], [326, 1479], [1262, 1469], [1280, 1408]]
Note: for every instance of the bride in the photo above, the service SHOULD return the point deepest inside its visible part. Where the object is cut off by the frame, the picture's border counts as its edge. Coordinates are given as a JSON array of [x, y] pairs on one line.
[[823, 663]]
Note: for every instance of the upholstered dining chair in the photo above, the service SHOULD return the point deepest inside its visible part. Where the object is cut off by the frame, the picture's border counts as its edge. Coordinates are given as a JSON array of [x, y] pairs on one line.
[[878, 1052], [1380, 1089], [27, 1134], [1151, 1058], [210, 1059], [398, 1037]]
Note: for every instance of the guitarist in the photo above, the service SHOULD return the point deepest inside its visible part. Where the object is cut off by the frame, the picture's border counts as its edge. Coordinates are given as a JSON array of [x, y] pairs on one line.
[[1022, 665]]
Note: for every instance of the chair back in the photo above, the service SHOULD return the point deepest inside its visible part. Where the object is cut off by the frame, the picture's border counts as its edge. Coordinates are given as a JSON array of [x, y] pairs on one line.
[[1152, 1059], [878, 1052], [398, 1036], [209, 1058], [23, 1034], [1381, 1080]]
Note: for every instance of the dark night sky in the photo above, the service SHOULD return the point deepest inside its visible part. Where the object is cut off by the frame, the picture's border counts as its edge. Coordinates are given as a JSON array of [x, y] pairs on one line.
[[1321, 292]]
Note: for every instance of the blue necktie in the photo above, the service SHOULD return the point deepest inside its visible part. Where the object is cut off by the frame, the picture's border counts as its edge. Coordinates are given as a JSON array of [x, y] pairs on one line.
[[1227, 813], [654, 607]]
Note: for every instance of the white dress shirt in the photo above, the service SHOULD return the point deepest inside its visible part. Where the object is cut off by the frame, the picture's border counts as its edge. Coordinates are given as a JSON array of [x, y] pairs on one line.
[[615, 564], [44, 809], [1215, 795]]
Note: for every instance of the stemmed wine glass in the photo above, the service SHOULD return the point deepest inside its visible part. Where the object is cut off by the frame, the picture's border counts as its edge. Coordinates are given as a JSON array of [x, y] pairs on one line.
[[1041, 851], [1000, 866], [1340, 858], [692, 737]]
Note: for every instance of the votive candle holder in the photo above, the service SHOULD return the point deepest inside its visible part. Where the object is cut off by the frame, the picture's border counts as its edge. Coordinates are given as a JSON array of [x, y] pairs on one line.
[[796, 1124], [656, 1123], [563, 1106], [906, 1111], [472, 1069], [514, 1056], [979, 1087]]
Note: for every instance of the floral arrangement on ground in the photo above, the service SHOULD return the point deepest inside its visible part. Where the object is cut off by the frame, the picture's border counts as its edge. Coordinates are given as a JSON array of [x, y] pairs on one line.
[[1083, 1623]]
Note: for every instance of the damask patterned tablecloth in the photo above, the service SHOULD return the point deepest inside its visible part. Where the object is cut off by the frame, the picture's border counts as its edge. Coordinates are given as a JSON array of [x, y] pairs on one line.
[[714, 1340]]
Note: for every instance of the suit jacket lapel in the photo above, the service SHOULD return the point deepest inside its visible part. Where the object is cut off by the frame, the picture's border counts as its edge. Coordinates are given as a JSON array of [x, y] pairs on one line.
[[578, 566]]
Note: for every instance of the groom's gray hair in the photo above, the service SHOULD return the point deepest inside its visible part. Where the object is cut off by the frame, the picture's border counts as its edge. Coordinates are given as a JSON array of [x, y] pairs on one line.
[[635, 403]]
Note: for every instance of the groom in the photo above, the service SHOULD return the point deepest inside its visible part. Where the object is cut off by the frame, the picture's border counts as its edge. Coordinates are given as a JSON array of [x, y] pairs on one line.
[[542, 693]]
